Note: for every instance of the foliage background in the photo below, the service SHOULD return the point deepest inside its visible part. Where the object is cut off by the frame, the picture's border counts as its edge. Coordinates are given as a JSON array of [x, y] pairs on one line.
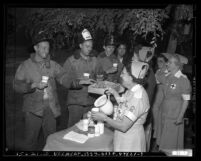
[[62, 25]]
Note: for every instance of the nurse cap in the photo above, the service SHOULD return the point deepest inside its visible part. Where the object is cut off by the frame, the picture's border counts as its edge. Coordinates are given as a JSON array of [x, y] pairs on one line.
[[139, 69], [167, 55], [182, 58], [146, 53]]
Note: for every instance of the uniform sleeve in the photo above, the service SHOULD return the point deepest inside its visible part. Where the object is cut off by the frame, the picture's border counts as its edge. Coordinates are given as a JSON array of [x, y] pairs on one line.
[[150, 86], [99, 69], [20, 73], [157, 79], [68, 78], [20, 84], [186, 89], [137, 109], [59, 72]]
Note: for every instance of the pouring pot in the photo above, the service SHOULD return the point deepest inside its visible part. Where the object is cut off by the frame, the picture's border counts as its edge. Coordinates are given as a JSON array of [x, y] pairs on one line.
[[103, 102]]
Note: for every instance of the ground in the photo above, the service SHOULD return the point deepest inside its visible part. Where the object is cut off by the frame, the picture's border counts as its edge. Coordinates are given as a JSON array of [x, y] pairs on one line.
[[14, 121]]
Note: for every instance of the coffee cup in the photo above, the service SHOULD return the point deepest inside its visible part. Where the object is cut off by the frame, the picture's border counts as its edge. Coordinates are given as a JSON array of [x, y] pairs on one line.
[[95, 109], [85, 124], [86, 75], [45, 79], [115, 65]]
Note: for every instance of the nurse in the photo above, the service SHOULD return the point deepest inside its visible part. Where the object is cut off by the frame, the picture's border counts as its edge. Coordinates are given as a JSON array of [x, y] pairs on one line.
[[133, 106], [160, 74], [177, 91]]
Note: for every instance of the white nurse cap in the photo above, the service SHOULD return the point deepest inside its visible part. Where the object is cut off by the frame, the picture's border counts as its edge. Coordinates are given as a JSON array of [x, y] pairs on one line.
[[146, 53], [139, 69]]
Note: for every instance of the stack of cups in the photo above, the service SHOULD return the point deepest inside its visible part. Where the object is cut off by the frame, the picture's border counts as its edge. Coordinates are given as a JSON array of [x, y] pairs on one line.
[[101, 127], [97, 129], [85, 124]]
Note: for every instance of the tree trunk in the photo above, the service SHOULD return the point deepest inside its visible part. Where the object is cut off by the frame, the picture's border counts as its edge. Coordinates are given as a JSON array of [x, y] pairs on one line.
[[172, 44], [187, 28]]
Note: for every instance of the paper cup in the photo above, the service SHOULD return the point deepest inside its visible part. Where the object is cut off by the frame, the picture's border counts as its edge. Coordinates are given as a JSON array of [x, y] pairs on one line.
[[45, 79], [86, 75], [95, 109], [97, 130], [85, 124], [101, 127], [115, 65]]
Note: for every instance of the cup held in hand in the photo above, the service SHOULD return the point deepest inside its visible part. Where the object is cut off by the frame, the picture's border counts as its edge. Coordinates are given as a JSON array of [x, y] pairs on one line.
[[45, 79], [115, 65], [86, 75]]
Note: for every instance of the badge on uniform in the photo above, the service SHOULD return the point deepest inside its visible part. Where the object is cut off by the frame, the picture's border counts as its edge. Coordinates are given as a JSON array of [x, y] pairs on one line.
[[173, 86], [132, 108]]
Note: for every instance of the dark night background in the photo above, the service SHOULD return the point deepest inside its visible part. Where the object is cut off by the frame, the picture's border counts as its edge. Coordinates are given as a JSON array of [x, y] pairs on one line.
[[17, 49]]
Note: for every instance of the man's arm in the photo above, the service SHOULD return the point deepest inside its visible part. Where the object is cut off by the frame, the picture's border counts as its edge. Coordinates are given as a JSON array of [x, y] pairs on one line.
[[20, 84], [66, 76]]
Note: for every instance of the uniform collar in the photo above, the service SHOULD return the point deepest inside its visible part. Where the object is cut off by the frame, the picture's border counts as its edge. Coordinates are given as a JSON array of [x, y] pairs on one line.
[[178, 74], [166, 71], [135, 87], [77, 55], [45, 62], [121, 59]]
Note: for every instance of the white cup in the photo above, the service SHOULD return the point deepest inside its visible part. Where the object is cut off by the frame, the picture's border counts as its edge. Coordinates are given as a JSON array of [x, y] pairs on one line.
[[115, 65], [45, 96], [85, 124], [97, 130], [101, 127], [86, 75], [95, 109], [45, 79], [89, 114]]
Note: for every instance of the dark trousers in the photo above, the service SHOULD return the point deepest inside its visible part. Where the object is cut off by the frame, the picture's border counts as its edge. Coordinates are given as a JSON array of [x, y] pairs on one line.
[[33, 124], [76, 113]]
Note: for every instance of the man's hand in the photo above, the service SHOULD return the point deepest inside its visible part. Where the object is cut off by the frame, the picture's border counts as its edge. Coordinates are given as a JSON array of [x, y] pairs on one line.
[[111, 70], [87, 81], [179, 121], [112, 91], [39, 85]]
